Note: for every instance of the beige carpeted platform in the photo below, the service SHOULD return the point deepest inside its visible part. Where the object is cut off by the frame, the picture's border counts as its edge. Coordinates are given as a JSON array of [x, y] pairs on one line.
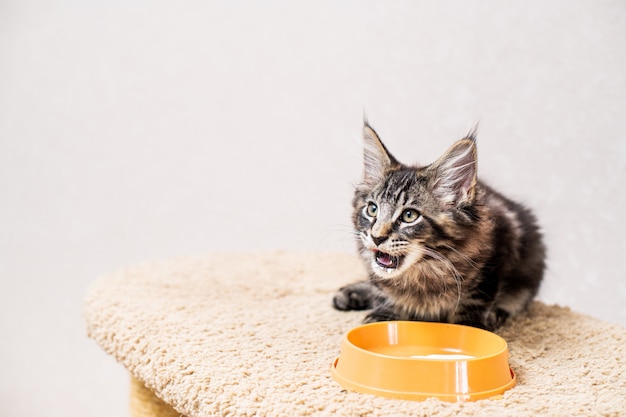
[[255, 334]]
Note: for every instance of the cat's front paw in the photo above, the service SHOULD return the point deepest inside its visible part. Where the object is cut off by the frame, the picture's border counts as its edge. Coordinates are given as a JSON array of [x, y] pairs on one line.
[[356, 296], [380, 314]]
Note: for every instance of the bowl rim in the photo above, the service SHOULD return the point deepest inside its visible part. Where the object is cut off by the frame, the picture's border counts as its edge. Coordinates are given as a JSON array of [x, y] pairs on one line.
[[503, 348]]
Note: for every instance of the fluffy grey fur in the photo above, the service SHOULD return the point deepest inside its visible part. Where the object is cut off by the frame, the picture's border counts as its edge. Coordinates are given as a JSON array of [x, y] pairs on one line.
[[440, 245]]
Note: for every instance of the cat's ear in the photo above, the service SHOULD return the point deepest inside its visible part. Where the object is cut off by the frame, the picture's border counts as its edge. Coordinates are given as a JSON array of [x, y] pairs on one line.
[[377, 159], [455, 173]]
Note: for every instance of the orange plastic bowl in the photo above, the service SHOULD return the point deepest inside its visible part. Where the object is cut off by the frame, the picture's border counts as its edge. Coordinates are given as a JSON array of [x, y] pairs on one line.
[[417, 360]]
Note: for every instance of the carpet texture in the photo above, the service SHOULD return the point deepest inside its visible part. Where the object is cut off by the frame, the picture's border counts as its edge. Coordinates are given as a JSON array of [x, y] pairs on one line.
[[255, 334]]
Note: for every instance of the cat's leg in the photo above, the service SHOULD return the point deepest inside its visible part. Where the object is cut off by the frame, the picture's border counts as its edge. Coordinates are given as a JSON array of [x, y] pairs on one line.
[[384, 309], [363, 295], [356, 296], [490, 319], [475, 322], [500, 316], [381, 313], [475, 316]]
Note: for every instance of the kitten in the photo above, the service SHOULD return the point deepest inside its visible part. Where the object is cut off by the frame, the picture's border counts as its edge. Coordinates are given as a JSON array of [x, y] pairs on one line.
[[439, 245]]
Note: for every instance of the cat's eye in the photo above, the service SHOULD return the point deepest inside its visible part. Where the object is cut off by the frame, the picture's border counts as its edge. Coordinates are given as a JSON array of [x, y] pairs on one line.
[[410, 216], [371, 210]]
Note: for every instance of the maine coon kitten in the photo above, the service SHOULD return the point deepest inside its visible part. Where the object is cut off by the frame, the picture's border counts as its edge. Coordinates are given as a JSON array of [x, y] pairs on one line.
[[438, 244]]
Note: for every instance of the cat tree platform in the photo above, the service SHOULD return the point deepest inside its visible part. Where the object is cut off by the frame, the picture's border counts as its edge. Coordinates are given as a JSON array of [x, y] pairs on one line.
[[255, 334]]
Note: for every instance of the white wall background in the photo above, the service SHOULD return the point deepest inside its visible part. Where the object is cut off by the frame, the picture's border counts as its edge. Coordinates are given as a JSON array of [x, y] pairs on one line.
[[141, 130]]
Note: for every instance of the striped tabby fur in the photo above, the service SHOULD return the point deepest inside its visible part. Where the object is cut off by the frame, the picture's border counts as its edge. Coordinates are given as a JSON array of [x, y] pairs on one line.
[[440, 245]]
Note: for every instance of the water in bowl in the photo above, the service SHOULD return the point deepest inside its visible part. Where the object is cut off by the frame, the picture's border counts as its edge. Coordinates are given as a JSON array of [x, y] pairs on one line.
[[420, 352]]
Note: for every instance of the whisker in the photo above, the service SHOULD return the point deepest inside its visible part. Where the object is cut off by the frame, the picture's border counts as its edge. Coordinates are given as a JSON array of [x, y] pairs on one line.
[[458, 278], [463, 256]]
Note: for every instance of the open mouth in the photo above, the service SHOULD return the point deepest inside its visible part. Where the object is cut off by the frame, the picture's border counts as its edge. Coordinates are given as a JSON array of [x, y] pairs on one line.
[[387, 261]]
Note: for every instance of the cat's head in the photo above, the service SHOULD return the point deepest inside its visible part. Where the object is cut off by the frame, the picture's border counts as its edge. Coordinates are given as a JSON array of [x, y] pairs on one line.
[[405, 214]]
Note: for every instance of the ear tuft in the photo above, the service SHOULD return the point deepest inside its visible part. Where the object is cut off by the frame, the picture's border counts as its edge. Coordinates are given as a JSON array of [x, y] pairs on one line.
[[456, 173], [377, 160]]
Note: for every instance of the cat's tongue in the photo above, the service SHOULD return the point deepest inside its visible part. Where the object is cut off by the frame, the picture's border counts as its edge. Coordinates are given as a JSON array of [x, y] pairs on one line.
[[385, 260]]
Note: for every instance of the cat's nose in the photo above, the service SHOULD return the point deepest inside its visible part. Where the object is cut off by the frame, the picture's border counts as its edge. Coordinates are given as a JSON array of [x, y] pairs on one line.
[[378, 239]]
